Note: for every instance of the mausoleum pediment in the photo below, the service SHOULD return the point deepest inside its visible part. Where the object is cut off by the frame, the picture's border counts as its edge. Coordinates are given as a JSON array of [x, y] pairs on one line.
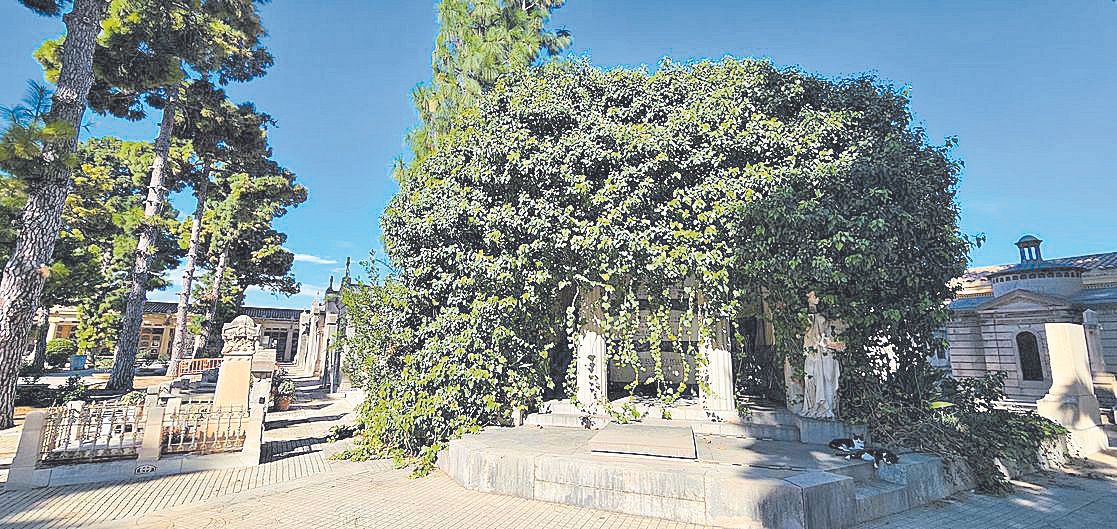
[[1022, 300]]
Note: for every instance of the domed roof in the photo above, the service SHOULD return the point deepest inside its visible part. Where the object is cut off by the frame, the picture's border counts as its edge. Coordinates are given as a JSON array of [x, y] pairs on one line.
[[1027, 239]]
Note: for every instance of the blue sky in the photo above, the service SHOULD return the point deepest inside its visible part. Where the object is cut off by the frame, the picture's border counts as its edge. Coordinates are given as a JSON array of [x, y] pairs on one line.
[[1029, 88]]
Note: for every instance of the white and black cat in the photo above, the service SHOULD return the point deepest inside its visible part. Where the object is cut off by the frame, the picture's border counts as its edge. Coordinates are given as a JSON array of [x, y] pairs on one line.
[[855, 449], [848, 445], [874, 455]]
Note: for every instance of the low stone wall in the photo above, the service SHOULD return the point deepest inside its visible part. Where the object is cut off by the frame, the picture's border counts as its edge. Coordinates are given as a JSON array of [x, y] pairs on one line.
[[33, 467]]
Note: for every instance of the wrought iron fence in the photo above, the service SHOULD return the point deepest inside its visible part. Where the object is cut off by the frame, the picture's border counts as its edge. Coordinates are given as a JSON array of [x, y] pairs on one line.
[[201, 428], [92, 432]]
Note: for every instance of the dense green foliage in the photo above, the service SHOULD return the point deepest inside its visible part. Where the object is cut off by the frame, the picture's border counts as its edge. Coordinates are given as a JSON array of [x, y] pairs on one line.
[[478, 41], [959, 420], [98, 237], [750, 184], [59, 351], [107, 207]]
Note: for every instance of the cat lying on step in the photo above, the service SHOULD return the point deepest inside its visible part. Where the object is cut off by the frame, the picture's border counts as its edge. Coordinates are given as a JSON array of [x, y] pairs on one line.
[[874, 455], [847, 445]]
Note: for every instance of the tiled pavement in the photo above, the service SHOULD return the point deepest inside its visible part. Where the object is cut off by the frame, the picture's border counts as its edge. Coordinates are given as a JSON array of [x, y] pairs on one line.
[[1042, 501], [292, 453], [387, 498], [299, 489]]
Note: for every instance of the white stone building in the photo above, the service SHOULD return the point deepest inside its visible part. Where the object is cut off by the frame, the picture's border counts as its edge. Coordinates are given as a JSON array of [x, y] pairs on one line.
[[1000, 320]]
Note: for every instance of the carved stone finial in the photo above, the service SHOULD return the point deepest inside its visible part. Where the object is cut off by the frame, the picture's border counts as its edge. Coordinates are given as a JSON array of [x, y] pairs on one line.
[[241, 335]]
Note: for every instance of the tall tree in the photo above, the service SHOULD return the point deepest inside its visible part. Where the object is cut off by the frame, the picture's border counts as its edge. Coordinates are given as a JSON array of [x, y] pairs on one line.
[[150, 50], [248, 249], [48, 182], [225, 138], [99, 224], [112, 182], [479, 41]]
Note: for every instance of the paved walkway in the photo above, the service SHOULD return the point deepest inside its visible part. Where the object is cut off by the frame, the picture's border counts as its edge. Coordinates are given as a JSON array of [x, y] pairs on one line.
[[292, 454], [298, 488], [388, 499]]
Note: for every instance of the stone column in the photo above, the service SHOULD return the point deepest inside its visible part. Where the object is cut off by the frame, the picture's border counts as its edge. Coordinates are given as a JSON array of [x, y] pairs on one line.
[[287, 355], [151, 445], [1093, 341], [165, 340], [718, 372], [1071, 401], [593, 361], [52, 328], [22, 473]]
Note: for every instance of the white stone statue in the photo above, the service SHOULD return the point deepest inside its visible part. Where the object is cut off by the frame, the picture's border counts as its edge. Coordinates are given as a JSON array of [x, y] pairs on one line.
[[821, 370]]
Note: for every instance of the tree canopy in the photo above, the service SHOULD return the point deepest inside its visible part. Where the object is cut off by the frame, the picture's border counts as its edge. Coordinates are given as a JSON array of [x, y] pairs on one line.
[[478, 41]]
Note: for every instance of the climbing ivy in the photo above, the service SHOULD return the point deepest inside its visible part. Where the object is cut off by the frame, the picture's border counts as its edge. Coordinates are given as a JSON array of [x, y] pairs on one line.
[[717, 189]]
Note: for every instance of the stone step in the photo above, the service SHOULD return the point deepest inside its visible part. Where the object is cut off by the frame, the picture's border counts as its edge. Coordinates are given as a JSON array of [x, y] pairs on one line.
[[748, 430], [566, 420], [803, 488], [863, 472], [877, 499], [560, 406]]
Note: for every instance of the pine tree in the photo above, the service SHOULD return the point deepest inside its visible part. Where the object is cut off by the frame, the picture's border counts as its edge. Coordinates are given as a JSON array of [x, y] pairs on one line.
[[100, 222], [110, 188], [249, 250], [48, 183], [149, 53], [478, 42], [225, 137]]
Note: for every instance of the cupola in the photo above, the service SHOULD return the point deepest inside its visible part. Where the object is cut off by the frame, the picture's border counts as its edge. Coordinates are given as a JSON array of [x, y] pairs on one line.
[[1029, 249], [1033, 273]]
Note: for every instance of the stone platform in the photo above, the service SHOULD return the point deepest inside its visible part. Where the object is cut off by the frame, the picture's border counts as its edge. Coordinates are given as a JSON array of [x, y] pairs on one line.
[[733, 481]]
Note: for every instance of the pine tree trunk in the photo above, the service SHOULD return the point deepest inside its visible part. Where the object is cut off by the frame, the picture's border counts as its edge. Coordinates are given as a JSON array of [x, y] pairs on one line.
[[39, 360], [124, 360], [21, 282], [203, 337], [178, 349]]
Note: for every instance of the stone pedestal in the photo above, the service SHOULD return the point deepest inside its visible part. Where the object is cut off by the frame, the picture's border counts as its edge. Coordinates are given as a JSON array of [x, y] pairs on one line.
[[234, 381], [1071, 401], [593, 360]]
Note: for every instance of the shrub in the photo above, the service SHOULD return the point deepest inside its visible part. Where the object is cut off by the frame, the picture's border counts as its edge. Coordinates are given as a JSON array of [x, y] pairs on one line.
[[133, 398], [285, 388], [959, 420], [29, 371], [59, 351], [74, 389]]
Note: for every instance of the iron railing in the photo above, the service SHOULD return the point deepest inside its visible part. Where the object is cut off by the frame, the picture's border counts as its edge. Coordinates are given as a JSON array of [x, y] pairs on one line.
[[201, 428], [91, 432]]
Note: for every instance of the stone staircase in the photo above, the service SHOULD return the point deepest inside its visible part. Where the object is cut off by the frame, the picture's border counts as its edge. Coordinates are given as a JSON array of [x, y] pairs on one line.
[[917, 479]]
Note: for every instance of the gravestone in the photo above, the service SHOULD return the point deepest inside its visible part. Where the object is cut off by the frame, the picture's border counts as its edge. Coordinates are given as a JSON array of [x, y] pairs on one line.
[[645, 440]]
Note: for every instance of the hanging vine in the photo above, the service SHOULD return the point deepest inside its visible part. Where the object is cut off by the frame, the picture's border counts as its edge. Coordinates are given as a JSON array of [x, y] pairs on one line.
[[738, 185]]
